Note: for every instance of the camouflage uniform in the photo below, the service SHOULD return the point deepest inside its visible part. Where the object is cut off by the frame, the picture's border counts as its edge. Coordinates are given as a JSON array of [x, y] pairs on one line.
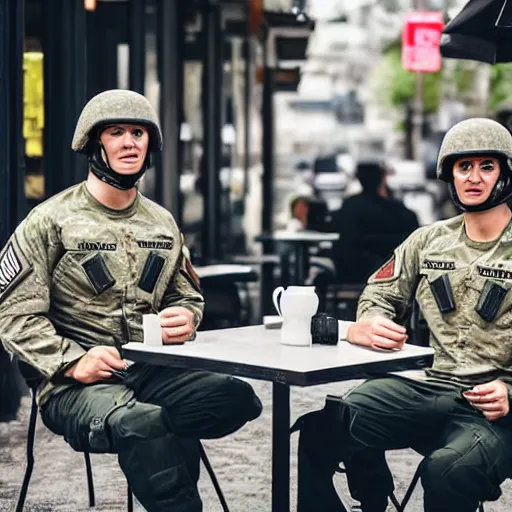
[[75, 275], [463, 290]]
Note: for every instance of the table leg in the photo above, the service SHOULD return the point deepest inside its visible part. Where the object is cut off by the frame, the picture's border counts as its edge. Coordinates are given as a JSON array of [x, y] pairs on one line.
[[301, 263], [267, 283], [280, 447], [284, 260]]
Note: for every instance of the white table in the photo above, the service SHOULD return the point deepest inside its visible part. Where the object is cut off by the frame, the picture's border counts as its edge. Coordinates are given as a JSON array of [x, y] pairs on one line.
[[222, 269], [256, 353], [301, 236]]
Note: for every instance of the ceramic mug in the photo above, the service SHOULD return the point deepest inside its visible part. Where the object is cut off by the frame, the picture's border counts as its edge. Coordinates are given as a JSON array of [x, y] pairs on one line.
[[296, 305]]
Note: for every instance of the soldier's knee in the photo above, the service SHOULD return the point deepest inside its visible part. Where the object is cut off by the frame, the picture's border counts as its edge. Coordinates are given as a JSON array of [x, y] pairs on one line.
[[446, 472], [127, 423], [240, 397], [473, 473], [225, 406]]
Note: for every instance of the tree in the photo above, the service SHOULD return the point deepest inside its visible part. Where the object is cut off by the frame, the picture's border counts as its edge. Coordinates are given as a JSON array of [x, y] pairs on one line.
[[399, 85], [500, 88]]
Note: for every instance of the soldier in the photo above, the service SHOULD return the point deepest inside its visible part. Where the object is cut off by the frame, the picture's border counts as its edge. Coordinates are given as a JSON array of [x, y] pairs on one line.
[[75, 279], [456, 414]]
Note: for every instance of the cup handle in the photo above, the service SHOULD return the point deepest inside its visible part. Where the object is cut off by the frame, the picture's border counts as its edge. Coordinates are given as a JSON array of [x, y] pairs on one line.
[[275, 297]]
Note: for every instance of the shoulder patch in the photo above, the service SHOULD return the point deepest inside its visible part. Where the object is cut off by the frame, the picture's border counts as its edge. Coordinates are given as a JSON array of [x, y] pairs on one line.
[[14, 267], [187, 269], [387, 270]]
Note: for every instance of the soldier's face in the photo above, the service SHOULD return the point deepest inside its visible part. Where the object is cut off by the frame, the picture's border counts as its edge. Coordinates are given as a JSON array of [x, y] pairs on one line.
[[474, 178], [126, 146]]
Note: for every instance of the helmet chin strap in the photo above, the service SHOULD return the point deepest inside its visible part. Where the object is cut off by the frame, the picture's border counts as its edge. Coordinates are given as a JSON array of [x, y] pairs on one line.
[[501, 192], [100, 167]]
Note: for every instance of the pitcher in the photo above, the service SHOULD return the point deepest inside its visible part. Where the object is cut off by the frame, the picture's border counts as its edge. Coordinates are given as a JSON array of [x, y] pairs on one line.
[[296, 305]]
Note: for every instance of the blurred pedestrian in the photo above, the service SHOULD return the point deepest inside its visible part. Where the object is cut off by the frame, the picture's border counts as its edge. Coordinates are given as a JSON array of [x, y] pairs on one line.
[[299, 211], [371, 225]]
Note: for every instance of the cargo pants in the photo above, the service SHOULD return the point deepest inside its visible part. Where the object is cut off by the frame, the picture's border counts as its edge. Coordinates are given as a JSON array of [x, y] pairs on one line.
[[466, 459], [153, 418]]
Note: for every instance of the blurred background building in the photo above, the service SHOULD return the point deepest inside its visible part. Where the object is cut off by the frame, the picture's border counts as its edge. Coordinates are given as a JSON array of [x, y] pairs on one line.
[[260, 100]]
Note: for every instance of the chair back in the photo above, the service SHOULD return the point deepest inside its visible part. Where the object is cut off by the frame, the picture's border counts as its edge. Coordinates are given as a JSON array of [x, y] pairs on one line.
[[31, 376], [11, 387]]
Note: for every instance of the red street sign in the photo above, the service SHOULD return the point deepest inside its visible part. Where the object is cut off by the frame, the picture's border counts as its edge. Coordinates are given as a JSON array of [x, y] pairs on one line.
[[420, 41]]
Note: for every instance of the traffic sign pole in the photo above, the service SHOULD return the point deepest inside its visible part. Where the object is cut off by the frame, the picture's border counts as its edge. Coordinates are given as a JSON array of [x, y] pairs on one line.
[[421, 54]]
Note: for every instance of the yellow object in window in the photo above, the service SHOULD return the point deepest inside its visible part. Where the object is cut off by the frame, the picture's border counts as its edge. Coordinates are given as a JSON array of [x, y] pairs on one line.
[[33, 103]]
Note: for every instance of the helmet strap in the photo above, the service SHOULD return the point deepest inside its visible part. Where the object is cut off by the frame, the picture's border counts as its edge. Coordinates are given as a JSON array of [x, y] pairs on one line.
[[501, 192], [100, 167]]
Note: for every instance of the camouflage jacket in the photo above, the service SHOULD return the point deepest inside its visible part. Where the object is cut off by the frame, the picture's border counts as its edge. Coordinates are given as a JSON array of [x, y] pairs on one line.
[[471, 334], [76, 274]]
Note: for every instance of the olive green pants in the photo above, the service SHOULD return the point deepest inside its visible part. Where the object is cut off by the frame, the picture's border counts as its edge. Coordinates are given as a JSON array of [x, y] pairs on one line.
[[153, 418], [466, 456]]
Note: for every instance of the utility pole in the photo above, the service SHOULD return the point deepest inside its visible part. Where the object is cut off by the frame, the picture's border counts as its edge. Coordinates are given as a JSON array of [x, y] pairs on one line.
[[417, 115], [12, 170]]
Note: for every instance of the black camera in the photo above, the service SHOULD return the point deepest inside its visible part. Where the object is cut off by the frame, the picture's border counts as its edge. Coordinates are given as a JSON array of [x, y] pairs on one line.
[[324, 329]]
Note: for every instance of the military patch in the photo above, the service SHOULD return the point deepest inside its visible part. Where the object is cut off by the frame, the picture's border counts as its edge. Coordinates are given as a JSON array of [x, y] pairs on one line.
[[438, 265], [166, 245], [387, 270], [14, 267], [494, 273], [97, 246], [98, 273], [187, 269], [151, 272]]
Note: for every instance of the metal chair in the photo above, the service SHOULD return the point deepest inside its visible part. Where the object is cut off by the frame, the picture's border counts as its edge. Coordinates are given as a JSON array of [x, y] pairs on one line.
[[392, 498], [410, 490], [33, 379], [341, 300], [401, 505], [221, 287]]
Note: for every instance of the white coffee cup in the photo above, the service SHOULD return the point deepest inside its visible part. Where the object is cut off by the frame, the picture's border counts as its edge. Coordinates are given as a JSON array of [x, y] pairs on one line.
[[296, 305], [152, 330]]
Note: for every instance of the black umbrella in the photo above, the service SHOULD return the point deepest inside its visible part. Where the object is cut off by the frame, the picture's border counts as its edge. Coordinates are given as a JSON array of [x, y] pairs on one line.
[[481, 31]]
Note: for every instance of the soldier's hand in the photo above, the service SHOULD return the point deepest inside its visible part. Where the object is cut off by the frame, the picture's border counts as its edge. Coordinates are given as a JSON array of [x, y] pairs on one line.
[[96, 365], [177, 324], [377, 333], [491, 398]]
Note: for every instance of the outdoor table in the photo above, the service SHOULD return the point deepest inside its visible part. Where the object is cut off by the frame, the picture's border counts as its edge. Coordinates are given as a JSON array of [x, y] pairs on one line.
[[225, 288], [256, 353], [225, 272], [301, 241]]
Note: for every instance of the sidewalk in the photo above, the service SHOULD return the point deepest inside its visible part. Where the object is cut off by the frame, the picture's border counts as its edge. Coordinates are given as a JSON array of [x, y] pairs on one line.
[[242, 463]]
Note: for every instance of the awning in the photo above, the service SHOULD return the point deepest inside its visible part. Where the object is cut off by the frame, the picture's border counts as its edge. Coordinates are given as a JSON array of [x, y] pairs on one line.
[[482, 31]]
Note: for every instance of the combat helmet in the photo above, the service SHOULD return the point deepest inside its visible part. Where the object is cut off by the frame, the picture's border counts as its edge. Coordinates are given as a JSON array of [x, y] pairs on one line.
[[106, 108], [473, 137]]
